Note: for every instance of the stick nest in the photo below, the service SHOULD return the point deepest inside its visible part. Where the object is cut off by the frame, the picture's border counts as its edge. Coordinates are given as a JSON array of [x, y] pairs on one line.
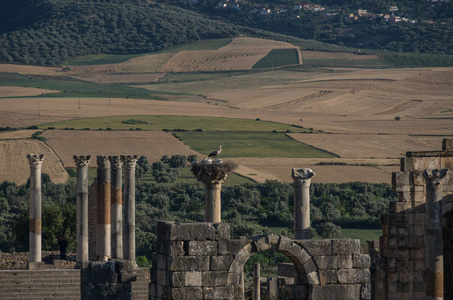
[[215, 171]]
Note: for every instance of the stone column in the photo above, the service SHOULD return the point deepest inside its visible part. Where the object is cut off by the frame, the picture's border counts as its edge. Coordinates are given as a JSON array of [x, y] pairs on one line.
[[256, 282], [82, 162], [434, 274], [129, 206], [104, 232], [302, 180], [35, 161], [212, 204], [117, 206]]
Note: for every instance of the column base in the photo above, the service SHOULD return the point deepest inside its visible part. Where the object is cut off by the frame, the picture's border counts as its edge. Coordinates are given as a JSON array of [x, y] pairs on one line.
[[35, 265], [302, 235]]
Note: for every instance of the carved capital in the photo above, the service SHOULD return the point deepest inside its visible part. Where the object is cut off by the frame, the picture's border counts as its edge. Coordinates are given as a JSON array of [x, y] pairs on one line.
[[129, 160], [35, 160], [82, 160], [434, 177], [103, 161], [302, 174], [116, 162]]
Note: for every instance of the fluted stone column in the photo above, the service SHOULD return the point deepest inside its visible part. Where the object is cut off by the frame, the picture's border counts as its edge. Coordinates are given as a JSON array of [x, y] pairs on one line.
[[434, 241], [104, 229], [256, 282], [82, 162], [302, 180], [35, 161], [129, 206], [117, 206]]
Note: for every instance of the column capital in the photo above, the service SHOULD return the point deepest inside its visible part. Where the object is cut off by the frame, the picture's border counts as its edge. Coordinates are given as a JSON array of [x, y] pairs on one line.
[[82, 160], [103, 161], [116, 162], [302, 175], [129, 160], [434, 177], [35, 160]]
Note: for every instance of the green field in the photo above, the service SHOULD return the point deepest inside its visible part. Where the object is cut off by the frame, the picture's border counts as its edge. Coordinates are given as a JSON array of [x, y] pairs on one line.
[[174, 123], [250, 144], [278, 58], [345, 63], [69, 87], [416, 60], [362, 234]]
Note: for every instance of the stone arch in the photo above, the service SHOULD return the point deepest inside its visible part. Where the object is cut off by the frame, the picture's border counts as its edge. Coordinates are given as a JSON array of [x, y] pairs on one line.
[[306, 267]]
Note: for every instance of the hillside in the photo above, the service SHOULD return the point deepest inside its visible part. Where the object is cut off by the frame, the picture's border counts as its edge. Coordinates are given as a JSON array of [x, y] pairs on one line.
[[51, 32]]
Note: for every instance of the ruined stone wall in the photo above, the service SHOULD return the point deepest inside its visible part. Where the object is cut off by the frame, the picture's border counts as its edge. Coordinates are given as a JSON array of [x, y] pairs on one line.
[[401, 271], [200, 261]]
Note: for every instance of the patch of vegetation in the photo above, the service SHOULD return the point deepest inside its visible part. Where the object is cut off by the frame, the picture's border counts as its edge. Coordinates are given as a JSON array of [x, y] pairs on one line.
[[278, 57], [416, 60], [134, 122], [69, 87], [250, 144], [177, 123]]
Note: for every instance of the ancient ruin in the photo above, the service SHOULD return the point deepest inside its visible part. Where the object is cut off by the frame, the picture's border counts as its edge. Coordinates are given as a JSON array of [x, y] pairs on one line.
[[416, 246], [412, 260]]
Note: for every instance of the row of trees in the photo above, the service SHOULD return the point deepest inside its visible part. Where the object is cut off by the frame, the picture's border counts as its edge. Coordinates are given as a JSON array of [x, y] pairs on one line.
[[250, 209]]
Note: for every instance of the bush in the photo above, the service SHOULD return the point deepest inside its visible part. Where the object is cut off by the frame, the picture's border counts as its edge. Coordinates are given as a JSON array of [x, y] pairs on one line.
[[142, 261], [328, 230]]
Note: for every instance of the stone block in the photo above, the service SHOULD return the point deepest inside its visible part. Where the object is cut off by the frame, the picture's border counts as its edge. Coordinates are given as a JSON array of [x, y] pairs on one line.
[[189, 263], [162, 229], [127, 277], [400, 179], [396, 219], [417, 254], [193, 278], [221, 263], [161, 277], [328, 276], [215, 278], [103, 272], [309, 267], [326, 262], [261, 243], [161, 261], [170, 248], [35, 265], [317, 247], [403, 242], [345, 246], [313, 278], [361, 261], [222, 231], [204, 248], [243, 255], [176, 279], [236, 267], [392, 242], [354, 275], [187, 293], [231, 247], [218, 293], [417, 230], [190, 232], [350, 292], [417, 178], [345, 262]]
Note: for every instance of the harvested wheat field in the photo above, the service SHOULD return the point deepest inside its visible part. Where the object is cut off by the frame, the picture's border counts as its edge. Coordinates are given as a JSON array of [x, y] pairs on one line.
[[17, 135], [152, 144], [367, 145], [281, 169], [240, 54], [22, 69], [14, 164], [17, 91]]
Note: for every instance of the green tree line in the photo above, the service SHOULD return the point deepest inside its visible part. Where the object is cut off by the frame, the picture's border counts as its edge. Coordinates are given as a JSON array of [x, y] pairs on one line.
[[250, 210]]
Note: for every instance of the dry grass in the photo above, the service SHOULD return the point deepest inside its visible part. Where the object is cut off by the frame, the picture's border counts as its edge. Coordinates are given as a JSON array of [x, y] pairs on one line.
[[145, 63], [17, 135], [366, 146], [17, 91], [152, 144], [14, 165]]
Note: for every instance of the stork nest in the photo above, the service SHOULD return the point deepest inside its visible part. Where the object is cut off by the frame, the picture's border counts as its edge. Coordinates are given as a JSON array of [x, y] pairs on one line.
[[215, 171]]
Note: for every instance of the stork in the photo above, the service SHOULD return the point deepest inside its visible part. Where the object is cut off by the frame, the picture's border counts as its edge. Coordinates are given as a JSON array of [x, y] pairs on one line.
[[214, 154]]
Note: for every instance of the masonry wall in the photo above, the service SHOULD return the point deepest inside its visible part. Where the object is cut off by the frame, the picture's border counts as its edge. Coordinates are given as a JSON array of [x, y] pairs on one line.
[[400, 273], [200, 261]]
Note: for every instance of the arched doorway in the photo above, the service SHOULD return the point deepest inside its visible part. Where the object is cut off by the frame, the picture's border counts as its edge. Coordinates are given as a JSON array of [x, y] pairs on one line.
[[306, 269]]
